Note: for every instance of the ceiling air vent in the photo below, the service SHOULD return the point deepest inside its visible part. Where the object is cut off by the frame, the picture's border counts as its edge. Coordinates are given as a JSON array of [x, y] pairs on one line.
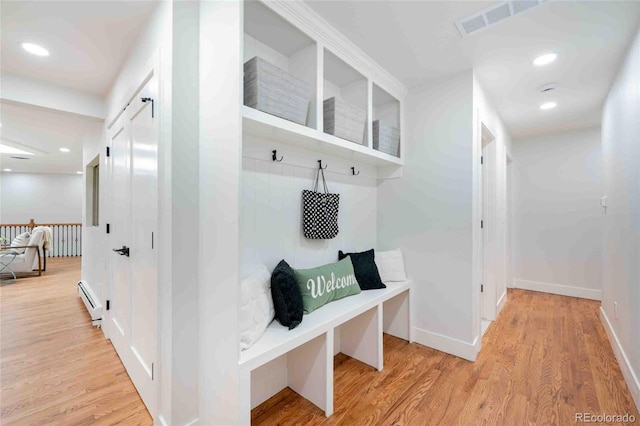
[[498, 14], [522, 5], [473, 24], [21, 158], [494, 14]]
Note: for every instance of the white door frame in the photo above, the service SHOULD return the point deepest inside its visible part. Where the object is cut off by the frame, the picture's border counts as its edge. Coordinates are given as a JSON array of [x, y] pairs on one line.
[[489, 222], [509, 221]]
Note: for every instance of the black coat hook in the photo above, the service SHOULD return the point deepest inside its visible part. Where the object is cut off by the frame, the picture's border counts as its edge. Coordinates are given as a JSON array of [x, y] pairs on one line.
[[274, 156], [353, 171], [320, 165]]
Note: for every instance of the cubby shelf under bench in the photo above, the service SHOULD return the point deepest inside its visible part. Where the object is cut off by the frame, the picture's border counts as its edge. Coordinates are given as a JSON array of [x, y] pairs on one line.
[[353, 325]]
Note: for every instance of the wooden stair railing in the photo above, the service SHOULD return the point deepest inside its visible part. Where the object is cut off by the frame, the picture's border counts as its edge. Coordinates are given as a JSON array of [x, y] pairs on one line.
[[66, 238]]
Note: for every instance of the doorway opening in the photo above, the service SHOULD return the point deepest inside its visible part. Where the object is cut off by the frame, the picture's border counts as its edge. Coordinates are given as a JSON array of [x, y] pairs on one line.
[[488, 209]]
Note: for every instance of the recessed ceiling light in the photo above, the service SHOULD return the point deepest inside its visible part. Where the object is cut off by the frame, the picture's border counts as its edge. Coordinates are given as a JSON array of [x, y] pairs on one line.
[[548, 105], [4, 149], [7, 170], [64, 150], [35, 49], [545, 59], [78, 173]]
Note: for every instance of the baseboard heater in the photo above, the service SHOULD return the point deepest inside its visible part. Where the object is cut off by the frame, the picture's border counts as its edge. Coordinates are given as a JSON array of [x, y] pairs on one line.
[[91, 302]]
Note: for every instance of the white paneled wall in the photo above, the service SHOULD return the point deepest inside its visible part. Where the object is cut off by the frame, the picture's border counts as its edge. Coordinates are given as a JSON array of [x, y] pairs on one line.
[[271, 223]]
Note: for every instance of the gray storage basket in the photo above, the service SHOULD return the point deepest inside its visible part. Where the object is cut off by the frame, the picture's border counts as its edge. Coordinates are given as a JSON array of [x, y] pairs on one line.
[[272, 90], [344, 120], [386, 138]]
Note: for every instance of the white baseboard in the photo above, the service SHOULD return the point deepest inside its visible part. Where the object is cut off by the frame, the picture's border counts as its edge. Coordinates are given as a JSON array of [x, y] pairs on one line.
[[629, 376], [562, 290], [501, 302], [447, 344]]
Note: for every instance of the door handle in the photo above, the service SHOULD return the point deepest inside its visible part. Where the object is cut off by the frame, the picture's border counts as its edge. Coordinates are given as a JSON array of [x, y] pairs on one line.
[[124, 251]]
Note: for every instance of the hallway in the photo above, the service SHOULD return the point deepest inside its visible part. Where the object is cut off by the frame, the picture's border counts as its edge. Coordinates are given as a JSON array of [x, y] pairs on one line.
[[543, 360], [55, 367]]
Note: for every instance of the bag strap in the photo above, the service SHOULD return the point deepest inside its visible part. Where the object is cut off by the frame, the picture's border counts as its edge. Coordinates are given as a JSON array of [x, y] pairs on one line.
[[315, 185], [324, 182], [317, 181]]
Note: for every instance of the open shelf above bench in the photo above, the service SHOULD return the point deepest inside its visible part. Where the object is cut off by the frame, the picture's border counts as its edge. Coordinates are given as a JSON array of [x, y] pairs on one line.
[[270, 127]]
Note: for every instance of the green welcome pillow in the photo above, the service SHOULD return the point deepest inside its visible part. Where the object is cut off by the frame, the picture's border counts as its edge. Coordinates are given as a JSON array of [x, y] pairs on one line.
[[326, 283]]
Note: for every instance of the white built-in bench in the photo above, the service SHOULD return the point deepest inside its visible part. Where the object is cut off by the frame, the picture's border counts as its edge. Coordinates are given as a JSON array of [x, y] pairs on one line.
[[302, 358]]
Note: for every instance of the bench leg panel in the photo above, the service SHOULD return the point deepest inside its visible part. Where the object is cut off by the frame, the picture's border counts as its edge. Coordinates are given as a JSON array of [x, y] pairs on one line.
[[310, 371], [245, 397], [361, 337], [397, 316]]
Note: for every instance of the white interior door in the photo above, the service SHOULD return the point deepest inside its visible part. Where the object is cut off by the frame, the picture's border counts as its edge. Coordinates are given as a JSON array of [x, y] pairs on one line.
[[133, 288]]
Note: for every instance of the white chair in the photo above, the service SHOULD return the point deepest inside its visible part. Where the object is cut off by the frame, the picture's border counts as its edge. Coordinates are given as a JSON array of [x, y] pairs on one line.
[[28, 262]]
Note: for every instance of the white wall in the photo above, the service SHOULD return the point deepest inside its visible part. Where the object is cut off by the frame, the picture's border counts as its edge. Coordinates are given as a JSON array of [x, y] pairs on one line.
[[46, 198], [557, 215], [428, 213], [621, 243], [271, 224], [178, 390], [197, 62]]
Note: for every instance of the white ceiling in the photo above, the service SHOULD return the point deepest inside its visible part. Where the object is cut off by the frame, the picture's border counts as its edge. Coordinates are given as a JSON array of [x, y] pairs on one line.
[[88, 40], [43, 132], [417, 41]]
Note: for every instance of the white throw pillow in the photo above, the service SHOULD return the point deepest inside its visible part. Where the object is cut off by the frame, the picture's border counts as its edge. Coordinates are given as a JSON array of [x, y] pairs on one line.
[[21, 241], [390, 265], [256, 306]]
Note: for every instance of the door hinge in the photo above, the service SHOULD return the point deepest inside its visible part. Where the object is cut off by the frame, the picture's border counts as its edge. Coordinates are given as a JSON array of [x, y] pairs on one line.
[[482, 224], [481, 160], [145, 100], [108, 228], [481, 288], [108, 305], [152, 241], [151, 371], [108, 152]]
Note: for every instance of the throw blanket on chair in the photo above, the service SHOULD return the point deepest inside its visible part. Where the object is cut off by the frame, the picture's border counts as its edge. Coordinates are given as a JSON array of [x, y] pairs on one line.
[[48, 235]]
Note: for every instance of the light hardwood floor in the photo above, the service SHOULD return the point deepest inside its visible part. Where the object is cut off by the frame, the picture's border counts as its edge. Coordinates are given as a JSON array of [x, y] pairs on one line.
[[546, 358], [55, 367]]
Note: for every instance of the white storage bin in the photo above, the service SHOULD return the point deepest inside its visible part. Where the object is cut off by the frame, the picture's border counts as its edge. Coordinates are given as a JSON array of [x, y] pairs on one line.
[[269, 89], [386, 138], [344, 120]]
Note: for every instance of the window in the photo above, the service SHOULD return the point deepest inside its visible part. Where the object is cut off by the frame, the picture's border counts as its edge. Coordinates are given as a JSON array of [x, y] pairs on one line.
[[96, 196], [92, 192]]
